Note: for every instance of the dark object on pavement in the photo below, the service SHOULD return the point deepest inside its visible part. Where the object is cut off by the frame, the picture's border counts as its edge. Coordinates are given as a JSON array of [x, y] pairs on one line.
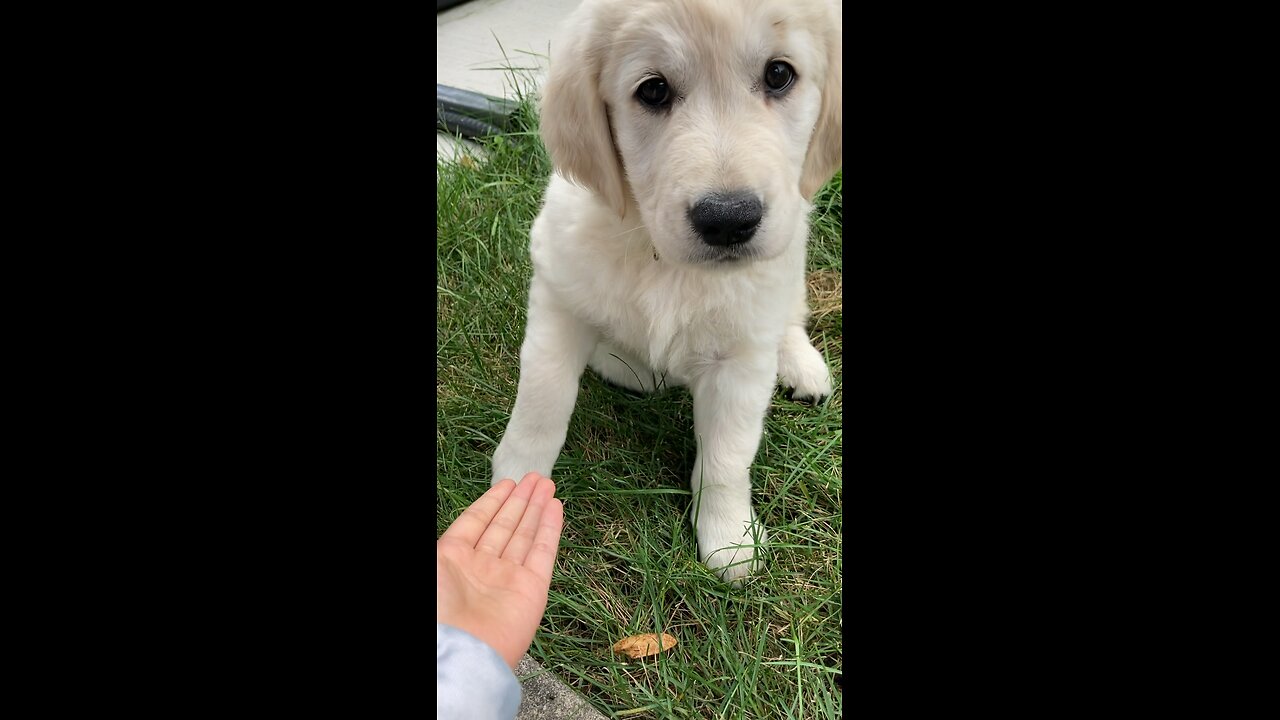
[[471, 114]]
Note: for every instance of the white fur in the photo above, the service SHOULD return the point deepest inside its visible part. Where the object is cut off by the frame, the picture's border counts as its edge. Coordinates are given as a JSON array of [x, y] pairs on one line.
[[620, 279]]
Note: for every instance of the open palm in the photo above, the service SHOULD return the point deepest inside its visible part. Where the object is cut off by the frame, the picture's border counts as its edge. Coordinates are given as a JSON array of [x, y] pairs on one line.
[[494, 563]]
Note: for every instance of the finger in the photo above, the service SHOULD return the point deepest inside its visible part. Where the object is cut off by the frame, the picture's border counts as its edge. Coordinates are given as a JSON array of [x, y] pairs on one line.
[[542, 556], [518, 547], [495, 537], [471, 523]]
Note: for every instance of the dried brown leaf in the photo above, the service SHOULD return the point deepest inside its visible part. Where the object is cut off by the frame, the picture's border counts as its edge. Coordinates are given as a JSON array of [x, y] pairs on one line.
[[638, 646]]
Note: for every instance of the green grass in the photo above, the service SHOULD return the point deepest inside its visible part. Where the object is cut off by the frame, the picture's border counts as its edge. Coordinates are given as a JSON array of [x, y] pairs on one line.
[[628, 562]]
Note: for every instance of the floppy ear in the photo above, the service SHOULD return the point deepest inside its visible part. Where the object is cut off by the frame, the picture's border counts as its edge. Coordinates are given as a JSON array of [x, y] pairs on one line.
[[575, 122], [826, 147]]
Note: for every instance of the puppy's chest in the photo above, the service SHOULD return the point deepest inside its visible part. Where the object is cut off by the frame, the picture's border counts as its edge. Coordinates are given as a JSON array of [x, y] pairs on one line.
[[673, 317]]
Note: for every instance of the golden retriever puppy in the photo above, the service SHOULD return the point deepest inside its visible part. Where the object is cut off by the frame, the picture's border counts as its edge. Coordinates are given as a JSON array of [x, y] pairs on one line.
[[688, 138]]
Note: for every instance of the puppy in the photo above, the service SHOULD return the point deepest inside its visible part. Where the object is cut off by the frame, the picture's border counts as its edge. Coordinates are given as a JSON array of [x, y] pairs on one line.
[[688, 139]]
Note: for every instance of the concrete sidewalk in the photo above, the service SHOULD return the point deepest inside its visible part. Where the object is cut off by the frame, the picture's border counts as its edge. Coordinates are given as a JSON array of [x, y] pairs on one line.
[[471, 39], [547, 698], [477, 40]]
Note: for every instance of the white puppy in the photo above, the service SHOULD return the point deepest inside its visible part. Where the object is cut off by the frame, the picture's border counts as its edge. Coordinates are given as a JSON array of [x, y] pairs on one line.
[[688, 137]]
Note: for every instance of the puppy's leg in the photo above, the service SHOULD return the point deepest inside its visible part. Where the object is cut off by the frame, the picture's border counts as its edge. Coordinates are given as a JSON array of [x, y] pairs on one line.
[[552, 358], [623, 370], [729, 404], [800, 365]]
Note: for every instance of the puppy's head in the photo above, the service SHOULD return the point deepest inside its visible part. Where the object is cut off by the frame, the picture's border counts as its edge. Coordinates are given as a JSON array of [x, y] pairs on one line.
[[717, 121]]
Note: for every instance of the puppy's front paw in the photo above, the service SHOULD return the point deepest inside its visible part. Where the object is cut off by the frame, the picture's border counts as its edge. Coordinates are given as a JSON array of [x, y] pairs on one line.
[[801, 368], [731, 549], [515, 457]]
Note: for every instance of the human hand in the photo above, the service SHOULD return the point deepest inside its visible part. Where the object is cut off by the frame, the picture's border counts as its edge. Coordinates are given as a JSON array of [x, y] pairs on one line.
[[493, 564]]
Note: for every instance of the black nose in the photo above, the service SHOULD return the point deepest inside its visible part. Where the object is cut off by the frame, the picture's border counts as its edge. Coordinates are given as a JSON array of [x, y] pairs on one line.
[[726, 219]]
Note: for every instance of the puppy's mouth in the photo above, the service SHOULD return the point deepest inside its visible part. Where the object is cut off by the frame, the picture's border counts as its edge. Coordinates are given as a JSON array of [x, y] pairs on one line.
[[724, 254]]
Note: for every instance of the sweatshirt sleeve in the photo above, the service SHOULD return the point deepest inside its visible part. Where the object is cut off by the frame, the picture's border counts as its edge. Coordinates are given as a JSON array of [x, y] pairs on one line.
[[472, 681]]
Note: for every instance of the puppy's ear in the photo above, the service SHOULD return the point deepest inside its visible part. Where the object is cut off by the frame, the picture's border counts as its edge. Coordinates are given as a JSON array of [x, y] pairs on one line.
[[574, 120], [826, 147]]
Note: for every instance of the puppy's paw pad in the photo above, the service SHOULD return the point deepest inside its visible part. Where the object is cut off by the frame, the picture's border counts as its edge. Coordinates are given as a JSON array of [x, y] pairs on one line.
[[794, 395]]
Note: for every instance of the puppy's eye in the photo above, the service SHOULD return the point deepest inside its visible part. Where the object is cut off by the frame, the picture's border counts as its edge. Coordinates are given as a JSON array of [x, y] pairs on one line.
[[779, 76], [654, 92]]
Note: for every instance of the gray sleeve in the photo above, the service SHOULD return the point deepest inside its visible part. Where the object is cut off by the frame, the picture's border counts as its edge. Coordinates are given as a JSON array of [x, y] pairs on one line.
[[472, 681]]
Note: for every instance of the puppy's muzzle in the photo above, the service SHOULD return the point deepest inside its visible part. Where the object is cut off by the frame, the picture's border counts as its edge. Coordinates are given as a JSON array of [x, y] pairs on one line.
[[726, 218]]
